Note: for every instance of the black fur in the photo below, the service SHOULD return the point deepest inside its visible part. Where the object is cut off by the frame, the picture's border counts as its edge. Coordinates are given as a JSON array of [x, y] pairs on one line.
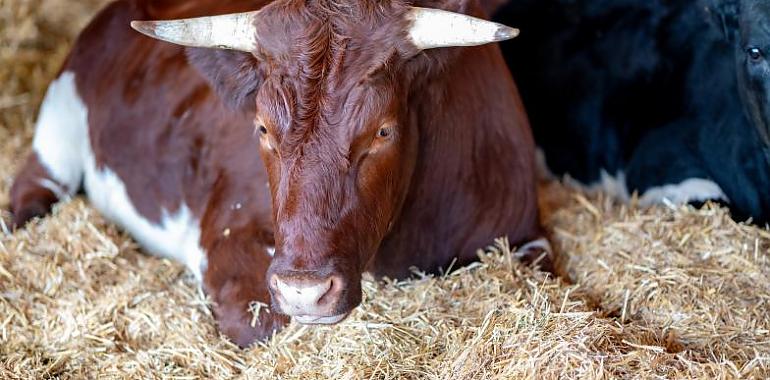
[[660, 89]]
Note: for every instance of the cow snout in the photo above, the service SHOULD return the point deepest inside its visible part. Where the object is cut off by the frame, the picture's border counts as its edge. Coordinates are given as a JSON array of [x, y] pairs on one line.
[[308, 299]]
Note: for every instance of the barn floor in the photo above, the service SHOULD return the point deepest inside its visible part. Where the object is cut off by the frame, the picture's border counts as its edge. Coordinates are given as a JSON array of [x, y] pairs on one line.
[[657, 293]]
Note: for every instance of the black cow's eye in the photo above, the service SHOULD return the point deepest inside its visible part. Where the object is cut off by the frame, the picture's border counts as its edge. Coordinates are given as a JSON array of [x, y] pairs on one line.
[[755, 54], [262, 129]]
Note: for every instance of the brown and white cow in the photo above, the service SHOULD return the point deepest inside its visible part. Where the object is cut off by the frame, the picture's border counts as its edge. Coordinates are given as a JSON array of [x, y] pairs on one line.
[[336, 137]]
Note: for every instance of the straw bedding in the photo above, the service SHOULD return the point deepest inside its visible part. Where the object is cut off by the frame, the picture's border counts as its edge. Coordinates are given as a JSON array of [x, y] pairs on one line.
[[652, 293]]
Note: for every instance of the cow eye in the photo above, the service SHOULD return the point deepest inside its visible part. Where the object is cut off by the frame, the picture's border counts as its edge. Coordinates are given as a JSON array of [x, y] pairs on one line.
[[755, 54], [262, 129], [384, 132]]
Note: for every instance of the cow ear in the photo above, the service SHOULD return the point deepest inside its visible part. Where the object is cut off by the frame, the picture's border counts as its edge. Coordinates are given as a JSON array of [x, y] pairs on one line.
[[724, 15], [234, 75]]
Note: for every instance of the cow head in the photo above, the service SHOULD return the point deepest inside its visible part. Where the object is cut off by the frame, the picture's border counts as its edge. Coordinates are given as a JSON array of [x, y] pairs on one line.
[[753, 63], [329, 83], [745, 25]]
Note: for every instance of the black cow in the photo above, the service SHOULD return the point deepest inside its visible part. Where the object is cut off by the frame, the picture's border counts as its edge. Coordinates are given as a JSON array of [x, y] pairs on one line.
[[666, 97]]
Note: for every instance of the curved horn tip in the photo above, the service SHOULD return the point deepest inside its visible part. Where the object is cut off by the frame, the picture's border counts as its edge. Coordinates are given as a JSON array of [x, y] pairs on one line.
[[506, 33], [432, 28], [141, 26], [144, 27]]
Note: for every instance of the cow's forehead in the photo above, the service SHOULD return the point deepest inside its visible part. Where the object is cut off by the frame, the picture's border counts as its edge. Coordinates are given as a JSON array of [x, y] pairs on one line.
[[757, 14], [295, 28], [301, 110], [328, 76]]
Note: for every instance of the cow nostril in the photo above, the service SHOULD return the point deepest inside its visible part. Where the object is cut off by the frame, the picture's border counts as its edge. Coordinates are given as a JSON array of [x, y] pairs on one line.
[[334, 291], [326, 297]]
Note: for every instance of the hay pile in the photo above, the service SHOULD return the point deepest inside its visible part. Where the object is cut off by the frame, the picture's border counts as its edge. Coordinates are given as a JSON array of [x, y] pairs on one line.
[[668, 293]]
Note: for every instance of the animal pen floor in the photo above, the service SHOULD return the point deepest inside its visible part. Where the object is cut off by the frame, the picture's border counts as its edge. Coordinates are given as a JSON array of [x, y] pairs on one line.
[[657, 293]]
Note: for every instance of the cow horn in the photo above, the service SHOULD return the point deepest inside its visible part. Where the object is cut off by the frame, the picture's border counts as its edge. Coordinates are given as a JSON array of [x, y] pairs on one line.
[[231, 31], [432, 28]]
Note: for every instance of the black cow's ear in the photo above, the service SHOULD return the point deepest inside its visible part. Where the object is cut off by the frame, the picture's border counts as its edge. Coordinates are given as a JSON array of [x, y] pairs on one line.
[[724, 15], [234, 75]]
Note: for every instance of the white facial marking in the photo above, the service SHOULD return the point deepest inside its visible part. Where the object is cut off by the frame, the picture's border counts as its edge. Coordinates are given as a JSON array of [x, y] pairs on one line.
[[271, 251], [63, 147], [689, 190], [61, 135], [301, 300]]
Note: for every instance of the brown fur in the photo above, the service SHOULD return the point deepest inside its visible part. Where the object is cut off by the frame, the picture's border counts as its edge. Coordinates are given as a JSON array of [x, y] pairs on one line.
[[28, 198], [455, 171]]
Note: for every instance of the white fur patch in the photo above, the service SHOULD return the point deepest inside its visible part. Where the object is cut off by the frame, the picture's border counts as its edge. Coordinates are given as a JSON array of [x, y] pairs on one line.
[[63, 146], [689, 190], [692, 189], [271, 251], [301, 300], [58, 190], [541, 244], [61, 133], [176, 237], [614, 186]]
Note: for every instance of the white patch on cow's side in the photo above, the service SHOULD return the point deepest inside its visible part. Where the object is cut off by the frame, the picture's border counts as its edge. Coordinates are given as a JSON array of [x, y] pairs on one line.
[[614, 186], [689, 190], [63, 147], [270, 251], [61, 133], [177, 236]]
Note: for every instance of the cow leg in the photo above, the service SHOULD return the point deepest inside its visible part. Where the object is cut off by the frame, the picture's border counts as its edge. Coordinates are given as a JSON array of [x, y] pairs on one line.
[[54, 169], [666, 168], [538, 254], [235, 280], [33, 192]]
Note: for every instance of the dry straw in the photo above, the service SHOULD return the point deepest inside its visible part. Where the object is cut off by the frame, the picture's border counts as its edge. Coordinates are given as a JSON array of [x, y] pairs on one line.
[[655, 293]]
